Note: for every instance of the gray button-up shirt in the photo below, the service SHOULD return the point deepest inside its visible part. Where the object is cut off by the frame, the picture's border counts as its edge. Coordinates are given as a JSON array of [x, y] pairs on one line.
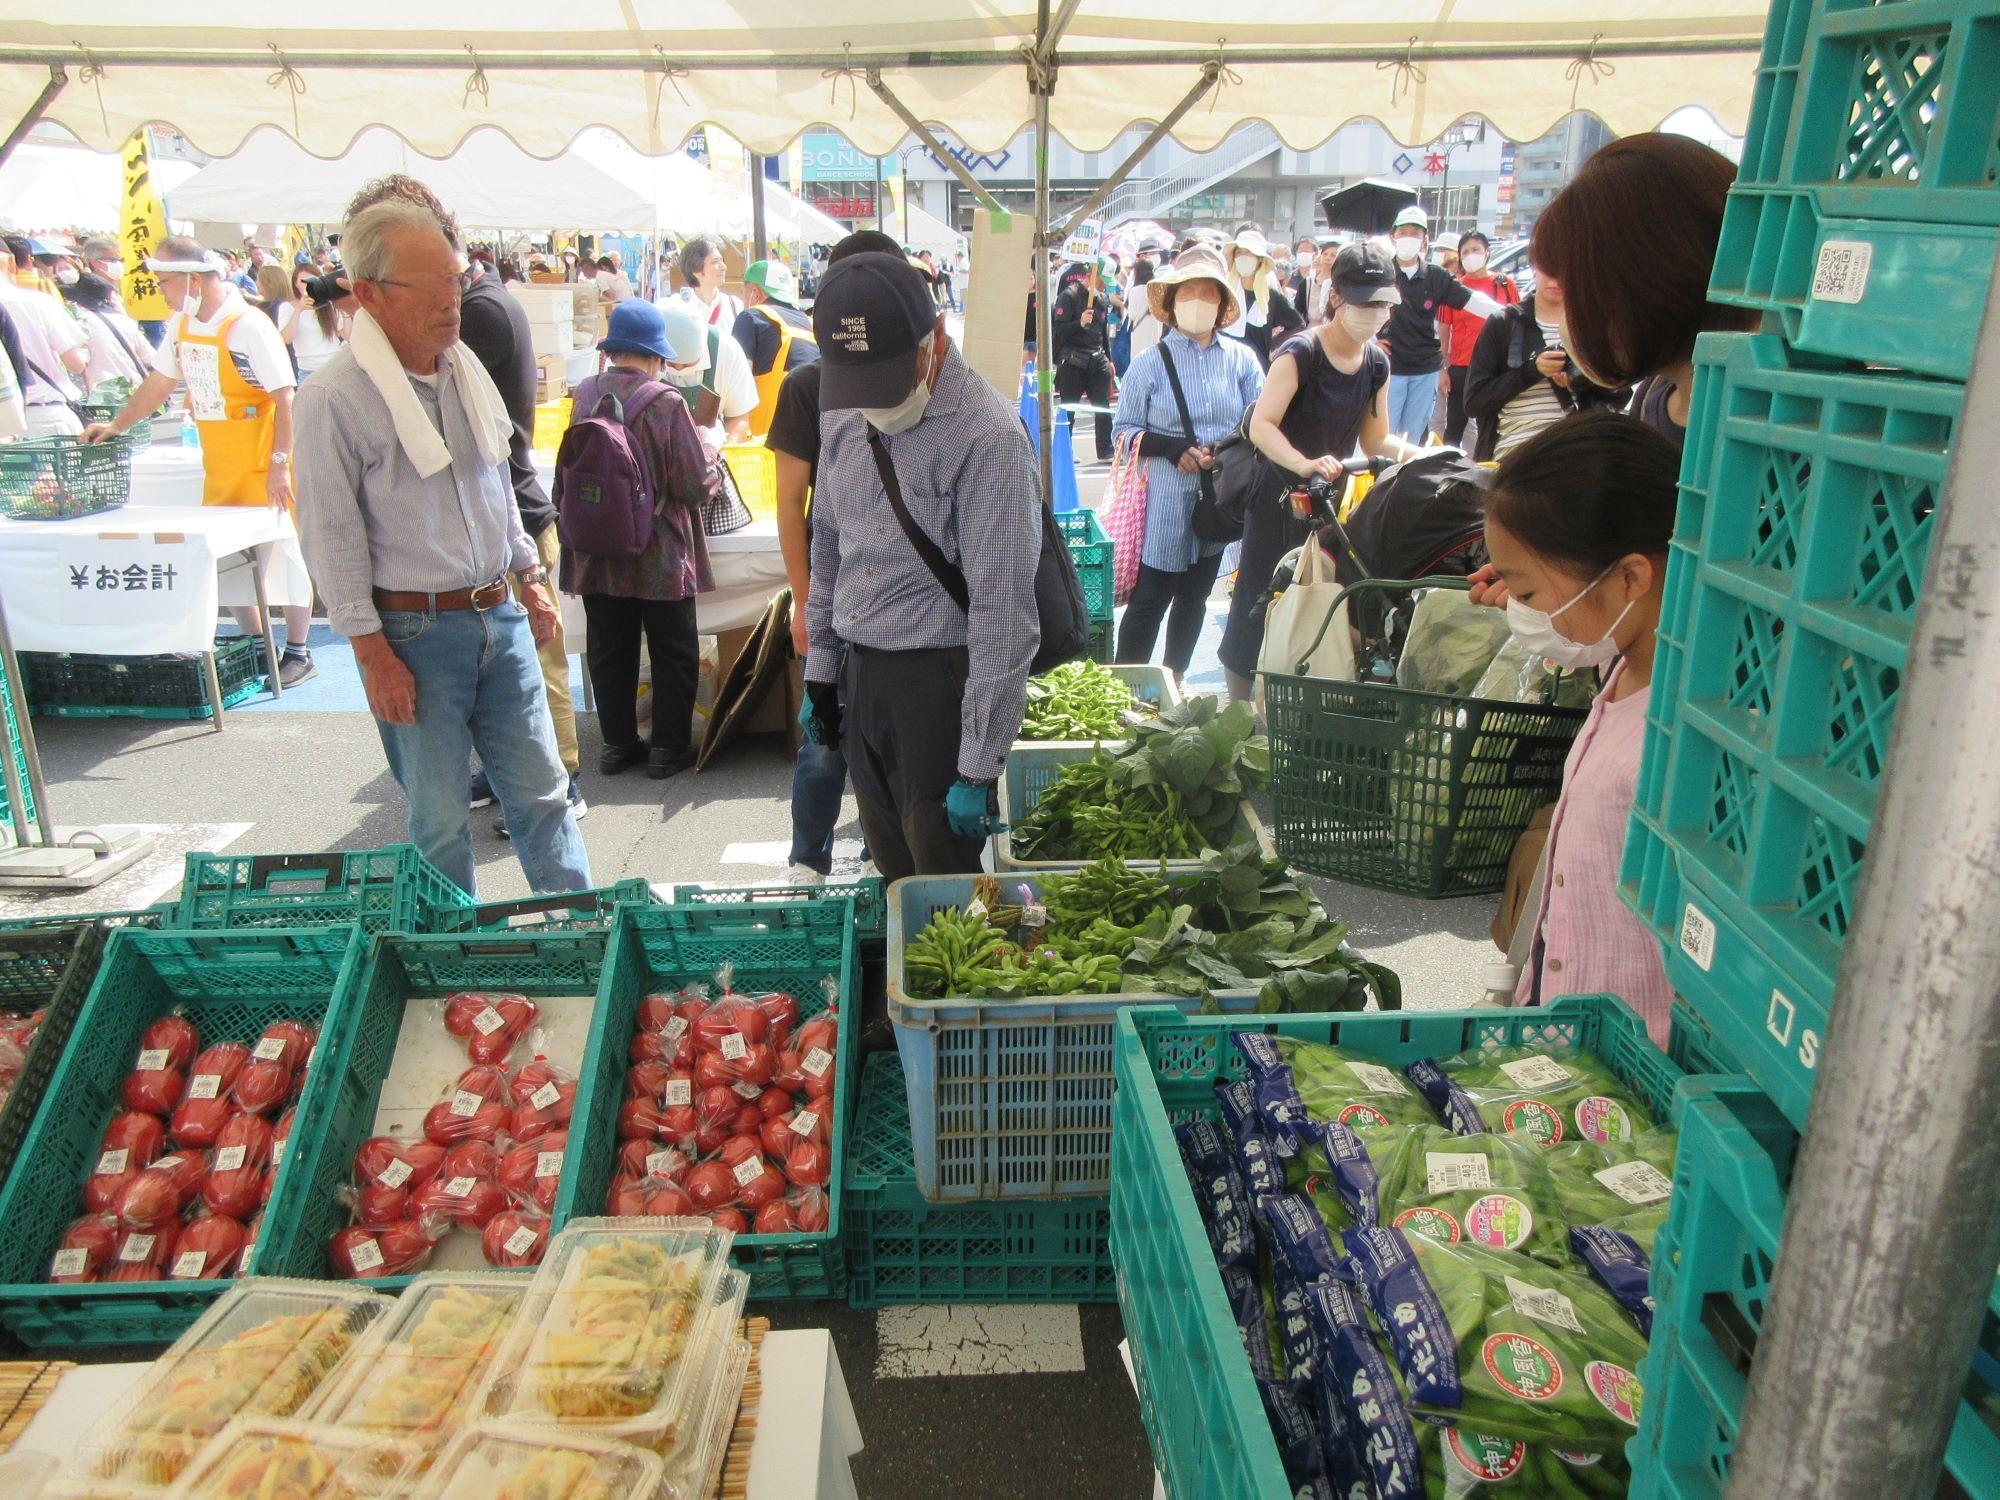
[[367, 520], [968, 477]]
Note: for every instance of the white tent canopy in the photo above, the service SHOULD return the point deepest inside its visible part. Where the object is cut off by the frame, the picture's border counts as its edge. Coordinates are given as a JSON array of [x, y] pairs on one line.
[[688, 199], [60, 185], [488, 182], [767, 69], [926, 231]]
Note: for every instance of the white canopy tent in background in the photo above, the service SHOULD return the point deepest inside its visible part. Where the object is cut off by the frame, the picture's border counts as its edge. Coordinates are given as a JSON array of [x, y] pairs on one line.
[[687, 198], [61, 185], [920, 229]]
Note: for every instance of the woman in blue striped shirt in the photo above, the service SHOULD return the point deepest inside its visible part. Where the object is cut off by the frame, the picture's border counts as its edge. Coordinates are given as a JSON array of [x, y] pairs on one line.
[[1219, 380]]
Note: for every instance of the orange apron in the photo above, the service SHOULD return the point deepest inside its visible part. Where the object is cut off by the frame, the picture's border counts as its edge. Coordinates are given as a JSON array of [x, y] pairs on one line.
[[771, 379], [237, 421]]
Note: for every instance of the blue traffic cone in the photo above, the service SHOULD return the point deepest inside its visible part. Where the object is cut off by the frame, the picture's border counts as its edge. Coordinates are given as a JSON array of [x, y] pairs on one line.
[[1062, 467]]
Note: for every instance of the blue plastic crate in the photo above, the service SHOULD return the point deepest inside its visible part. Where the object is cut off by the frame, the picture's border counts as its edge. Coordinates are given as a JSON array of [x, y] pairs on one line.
[[1791, 593], [1713, 1264], [1197, 1398], [1031, 769], [902, 1248], [1865, 209], [1008, 1098]]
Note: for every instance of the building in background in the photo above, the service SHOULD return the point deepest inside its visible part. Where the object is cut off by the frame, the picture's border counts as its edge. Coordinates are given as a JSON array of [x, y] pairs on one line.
[[1543, 167]]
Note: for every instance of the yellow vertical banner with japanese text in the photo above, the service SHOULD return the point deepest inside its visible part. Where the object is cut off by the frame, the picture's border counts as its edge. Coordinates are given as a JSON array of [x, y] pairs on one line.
[[142, 224]]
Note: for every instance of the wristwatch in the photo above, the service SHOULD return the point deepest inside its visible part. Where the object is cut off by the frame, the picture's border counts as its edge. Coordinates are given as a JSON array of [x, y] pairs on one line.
[[279, 456], [536, 574]]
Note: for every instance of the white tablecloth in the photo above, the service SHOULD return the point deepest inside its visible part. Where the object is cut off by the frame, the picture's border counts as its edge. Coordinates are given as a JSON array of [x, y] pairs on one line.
[[139, 582], [747, 564], [806, 1432]]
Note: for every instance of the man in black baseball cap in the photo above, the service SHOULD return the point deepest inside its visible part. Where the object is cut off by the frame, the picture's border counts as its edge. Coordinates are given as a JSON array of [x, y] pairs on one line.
[[927, 526]]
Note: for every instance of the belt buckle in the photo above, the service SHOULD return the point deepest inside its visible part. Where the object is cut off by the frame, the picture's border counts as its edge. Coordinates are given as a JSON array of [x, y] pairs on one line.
[[494, 594]]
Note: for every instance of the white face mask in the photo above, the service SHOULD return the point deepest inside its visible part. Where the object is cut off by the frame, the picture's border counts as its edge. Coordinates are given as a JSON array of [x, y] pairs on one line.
[[682, 377], [1246, 266], [1408, 247], [67, 275], [1472, 264], [111, 270], [905, 414], [1195, 318], [191, 303], [1537, 631], [1363, 322]]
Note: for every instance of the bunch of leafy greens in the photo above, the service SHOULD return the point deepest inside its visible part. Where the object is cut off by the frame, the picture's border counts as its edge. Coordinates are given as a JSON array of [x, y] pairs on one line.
[[1177, 788]]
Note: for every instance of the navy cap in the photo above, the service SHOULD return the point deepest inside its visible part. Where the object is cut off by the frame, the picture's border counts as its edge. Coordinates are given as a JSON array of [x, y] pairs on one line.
[[872, 311], [1365, 273]]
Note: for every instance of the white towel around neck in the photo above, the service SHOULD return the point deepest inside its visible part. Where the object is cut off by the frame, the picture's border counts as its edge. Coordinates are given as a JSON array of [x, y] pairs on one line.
[[423, 444]]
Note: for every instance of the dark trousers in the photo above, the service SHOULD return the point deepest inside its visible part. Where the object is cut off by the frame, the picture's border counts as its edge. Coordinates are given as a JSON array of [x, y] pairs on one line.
[[1186, 592], [611, 642], [1092, 383], [900, 733], [1270, 530], [1455, 416]]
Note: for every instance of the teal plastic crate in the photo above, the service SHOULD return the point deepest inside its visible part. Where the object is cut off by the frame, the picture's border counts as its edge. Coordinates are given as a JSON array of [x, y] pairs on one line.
[[564, 912], [396, 970], [1093, 554], [1032, 769], [1865, 206], [1791, 592], [65, 686], [50, 968], [231, 985], [1197, 1398], [1103, 643], [11, 708], [393, 889], [1008, 1098], [1713, 1264], [1151, 685], [871, 921], [794, 949], [903, 1249]]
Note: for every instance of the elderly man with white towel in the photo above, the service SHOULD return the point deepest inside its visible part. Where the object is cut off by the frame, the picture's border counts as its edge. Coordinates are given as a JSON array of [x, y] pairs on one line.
[[411, 532]]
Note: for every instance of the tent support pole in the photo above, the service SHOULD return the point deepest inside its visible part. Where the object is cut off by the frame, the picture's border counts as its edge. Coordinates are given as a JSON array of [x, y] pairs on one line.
[[1901, 1164], [57, 78], [923, 133], [758, 243], [1041, 83], [1209, 74]]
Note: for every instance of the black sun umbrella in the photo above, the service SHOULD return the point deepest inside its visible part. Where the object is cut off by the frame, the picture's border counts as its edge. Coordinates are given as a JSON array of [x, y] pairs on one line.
[[1369, 206]]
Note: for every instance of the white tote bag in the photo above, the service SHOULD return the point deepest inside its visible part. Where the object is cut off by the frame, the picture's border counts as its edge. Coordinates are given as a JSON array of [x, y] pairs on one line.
[[1294, 644]]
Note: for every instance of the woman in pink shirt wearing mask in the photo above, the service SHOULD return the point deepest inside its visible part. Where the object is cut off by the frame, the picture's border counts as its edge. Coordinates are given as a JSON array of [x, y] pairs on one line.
[[1577, 523]]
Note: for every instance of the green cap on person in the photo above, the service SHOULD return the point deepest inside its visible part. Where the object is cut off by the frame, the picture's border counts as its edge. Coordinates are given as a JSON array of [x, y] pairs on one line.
[[775, 279]]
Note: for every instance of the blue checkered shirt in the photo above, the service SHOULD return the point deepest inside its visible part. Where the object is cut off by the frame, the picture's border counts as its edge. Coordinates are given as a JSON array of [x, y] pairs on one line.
[[969, 480]]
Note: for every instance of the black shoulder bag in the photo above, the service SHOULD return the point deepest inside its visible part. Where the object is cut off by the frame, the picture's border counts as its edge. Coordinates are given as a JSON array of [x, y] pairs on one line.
[[1239, 476], [1065, 624]]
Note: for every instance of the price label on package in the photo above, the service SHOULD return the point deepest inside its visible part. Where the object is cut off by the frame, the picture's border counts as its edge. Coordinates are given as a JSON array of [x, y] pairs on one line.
[[749, 1170], [1637, 1182], [459, 1187], [229, 1158], [545, 1096], [152, 1060], [679, 1091], [549, 1163], [1536, 1073], [71, 1262], [137, 1247], [675, 1029], [734, 1048], [661, 1163], [1543, 1305], [520, 1242], [112, 1162], [465, 1104], [488, 1021], [1377, 1079], [205, 1086], [188, 1264], [804, 1123], [395, 1174], [1457, 1172], [745, 1089], [817, 1061], [367, 1256], [269, 1049]]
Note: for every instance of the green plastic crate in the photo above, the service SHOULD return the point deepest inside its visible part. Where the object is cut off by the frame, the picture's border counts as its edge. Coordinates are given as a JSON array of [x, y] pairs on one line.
[[1103, 643], [1398, 790], [65, 686], [395, 971], [794, 949], [1196, 1394], [59, 478], [1797, 561], [902, 1248], [1032, 769], [231, 985], [11, 707], [1093, 554], [866, 895], [392, 889], [1865, 208], [47, 967], [1713, 1264], [565, 911]]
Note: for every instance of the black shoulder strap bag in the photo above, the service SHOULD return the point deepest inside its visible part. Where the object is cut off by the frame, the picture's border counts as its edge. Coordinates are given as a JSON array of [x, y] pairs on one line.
[[1059, 608]]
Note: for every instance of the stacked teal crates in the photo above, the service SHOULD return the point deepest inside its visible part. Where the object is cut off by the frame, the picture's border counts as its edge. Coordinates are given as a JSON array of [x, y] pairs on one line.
[[12, 703], [1863, 224], [1093, 553]]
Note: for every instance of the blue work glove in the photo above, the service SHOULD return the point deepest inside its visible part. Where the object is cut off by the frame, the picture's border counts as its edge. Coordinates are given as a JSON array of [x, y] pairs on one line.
[[973, 808], [819, 714]]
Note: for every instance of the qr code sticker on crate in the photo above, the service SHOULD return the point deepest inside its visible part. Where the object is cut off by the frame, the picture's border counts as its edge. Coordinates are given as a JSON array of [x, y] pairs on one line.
[[1841, 273], [1698, 937]]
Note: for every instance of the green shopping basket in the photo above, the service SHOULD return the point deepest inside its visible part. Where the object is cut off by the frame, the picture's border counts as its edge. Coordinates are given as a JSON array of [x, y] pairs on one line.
[[1422, 793]]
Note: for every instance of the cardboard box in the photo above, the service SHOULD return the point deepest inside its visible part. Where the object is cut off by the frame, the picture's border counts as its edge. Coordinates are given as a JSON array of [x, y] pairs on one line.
[[779, 712]]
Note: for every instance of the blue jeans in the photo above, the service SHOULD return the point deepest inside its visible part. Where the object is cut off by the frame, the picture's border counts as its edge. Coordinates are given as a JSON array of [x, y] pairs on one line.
[[819, 780], [1412, 400], [479, 687]]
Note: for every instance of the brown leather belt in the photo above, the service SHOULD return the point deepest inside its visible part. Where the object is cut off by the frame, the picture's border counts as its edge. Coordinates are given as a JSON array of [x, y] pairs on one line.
[[485, 597]]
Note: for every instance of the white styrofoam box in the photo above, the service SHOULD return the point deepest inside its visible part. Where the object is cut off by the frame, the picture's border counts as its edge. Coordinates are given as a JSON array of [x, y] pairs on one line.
[[554, 338], [546, 304]]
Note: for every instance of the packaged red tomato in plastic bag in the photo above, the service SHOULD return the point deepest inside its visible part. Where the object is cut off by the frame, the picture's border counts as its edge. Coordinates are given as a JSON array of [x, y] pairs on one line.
[[206, 1105], [531, 1171], [808, 1163], [143, 1254], [464, 1200], [782, 1011], [161, 1191], [476, 1108], [639, 1120], [732, 1023], [544, 1100], [155, 1084], [400, 1248], [647, 1080], [489, 1024], [731, 1219], [174, 1038], [266, 1080], [236, 1173], [714, 1119], [132, 1141], [810, 1210], [515, 1237], [775, 1217], [711, 1185], [208, 1248], [84, 1250]]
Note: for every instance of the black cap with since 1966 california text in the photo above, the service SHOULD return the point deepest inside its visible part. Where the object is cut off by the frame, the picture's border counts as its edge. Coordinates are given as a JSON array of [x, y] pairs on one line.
[[871, 312]]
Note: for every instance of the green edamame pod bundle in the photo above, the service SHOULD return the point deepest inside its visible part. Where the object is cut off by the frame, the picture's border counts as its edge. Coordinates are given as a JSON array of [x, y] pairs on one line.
[[1518, 1091], [1622, 1185], [1493, 1191]]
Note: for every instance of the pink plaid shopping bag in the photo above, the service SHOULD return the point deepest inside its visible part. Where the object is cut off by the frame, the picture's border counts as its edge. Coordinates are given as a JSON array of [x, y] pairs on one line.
[[1124, 514]]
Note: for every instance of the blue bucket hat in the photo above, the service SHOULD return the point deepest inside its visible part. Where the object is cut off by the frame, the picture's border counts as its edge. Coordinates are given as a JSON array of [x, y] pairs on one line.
[[636, 327]]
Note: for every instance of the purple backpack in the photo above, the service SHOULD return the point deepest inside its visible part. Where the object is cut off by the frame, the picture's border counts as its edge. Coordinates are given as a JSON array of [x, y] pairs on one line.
[[604, 486]]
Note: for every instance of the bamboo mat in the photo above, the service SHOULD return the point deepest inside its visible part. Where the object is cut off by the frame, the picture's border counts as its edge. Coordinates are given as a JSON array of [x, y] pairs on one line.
[[735, 1480], [24, 1386]]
